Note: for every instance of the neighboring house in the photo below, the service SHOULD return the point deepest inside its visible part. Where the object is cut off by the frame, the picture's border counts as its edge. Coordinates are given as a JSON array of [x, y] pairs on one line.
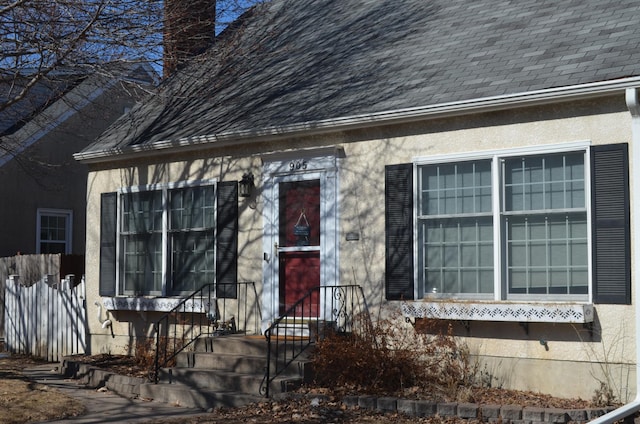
[[467, 161], [42, 187]]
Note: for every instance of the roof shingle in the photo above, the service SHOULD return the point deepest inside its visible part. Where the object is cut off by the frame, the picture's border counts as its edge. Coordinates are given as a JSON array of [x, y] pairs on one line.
[[300, 61]]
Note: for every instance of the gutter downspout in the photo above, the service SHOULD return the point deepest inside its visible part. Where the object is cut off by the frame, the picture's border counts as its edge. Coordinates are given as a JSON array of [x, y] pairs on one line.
[[633, 104]]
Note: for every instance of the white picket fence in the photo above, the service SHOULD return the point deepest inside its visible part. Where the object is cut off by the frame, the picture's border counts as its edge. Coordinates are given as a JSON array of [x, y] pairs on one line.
[[47, 320]]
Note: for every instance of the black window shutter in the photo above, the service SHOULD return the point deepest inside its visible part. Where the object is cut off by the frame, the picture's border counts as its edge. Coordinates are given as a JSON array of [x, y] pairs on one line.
[[611, 224], [227, 240], [108, 214], [398, 195]]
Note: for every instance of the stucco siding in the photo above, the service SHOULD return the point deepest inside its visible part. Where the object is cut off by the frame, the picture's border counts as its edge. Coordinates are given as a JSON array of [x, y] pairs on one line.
[[535, 357]]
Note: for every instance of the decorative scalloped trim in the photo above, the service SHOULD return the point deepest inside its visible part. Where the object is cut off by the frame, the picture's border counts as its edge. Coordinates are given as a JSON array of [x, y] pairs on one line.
[[160, 304], [504, 311]]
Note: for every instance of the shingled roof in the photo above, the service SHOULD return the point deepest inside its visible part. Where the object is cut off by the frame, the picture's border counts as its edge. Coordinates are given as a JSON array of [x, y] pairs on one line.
[[43, 93], [296, 64]]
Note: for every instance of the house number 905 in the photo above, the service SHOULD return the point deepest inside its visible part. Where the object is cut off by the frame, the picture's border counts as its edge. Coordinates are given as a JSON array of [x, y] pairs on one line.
[[298, 164]]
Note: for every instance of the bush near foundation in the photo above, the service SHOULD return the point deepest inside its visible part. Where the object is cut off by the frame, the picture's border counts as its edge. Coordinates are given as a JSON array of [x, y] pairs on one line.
[[393, 357], [144, 351]]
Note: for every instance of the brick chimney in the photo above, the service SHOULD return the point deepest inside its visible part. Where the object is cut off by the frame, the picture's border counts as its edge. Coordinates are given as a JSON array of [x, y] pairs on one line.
[[189, 29]]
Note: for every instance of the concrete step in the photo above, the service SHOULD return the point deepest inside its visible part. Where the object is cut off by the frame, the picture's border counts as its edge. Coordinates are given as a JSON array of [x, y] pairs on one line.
[[184, 396], [221, 361], [226, 381], [233, 363], [227, 371], [212, 379], [246, 345], [233, 344], [292, 329]]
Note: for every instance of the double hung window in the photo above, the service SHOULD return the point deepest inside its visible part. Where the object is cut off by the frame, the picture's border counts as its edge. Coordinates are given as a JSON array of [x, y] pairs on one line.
[[54, 231], [167, 240], [504, 227], [455, 227], [545, 225]]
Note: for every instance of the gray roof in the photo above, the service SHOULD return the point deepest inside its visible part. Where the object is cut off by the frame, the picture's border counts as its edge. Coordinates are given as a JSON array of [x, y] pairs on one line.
[[303, 61], [39, 97]]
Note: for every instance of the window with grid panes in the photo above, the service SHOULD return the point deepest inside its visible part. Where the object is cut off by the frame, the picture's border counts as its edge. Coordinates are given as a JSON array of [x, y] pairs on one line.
[[541, 226], [545, 225], [183, 220], [455, 228], [54, 231]]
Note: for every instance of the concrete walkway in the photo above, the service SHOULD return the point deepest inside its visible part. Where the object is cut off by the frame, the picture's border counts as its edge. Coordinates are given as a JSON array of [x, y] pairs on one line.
[[105, 406]]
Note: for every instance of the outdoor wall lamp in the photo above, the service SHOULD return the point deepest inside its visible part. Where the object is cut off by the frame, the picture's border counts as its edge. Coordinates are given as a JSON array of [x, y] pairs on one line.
[[246, 185]]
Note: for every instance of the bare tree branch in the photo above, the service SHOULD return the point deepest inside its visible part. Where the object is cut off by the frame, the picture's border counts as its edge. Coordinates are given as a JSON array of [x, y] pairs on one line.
[[44, 43], [44, 34]]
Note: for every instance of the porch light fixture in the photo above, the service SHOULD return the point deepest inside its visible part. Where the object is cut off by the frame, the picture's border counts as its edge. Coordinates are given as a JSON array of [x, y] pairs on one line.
[[246, 185]]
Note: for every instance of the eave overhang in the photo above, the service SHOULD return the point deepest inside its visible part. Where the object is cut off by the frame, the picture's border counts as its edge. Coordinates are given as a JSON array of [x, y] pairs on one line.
[[391, 117]]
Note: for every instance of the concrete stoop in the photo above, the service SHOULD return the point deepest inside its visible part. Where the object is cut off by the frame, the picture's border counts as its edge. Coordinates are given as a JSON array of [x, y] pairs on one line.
[[225, 371]]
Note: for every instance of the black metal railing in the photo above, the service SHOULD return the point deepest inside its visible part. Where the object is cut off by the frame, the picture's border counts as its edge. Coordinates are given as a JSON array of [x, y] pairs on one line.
[[339, 309], [203, 313]]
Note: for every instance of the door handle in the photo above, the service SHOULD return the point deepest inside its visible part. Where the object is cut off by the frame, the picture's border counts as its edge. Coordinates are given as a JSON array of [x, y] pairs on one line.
[[275, 247]]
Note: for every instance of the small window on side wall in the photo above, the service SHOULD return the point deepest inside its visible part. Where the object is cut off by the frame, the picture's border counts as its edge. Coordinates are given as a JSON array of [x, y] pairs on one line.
[[54, 231]]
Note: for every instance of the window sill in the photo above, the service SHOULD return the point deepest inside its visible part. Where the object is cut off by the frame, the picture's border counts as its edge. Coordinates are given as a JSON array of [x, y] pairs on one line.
[[578, 313], [149, 304]]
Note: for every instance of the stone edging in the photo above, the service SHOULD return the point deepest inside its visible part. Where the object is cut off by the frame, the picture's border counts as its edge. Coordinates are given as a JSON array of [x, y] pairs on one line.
[[95, 378], [470, 411], [129, 387]]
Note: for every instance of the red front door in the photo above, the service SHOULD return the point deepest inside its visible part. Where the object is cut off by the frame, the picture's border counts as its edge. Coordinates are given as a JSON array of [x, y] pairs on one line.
[[299, 245]]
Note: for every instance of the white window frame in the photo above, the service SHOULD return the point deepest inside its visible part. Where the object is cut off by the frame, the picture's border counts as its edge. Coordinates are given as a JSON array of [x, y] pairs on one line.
[[500, 290], [165, 188], [67, 214]]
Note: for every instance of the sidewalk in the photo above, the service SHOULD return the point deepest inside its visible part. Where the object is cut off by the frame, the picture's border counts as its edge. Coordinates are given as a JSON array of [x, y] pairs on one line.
[[104, 406]]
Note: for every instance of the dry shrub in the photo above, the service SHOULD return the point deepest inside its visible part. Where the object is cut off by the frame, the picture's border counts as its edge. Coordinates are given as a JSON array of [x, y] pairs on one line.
[[144, 351], [394, 357]]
